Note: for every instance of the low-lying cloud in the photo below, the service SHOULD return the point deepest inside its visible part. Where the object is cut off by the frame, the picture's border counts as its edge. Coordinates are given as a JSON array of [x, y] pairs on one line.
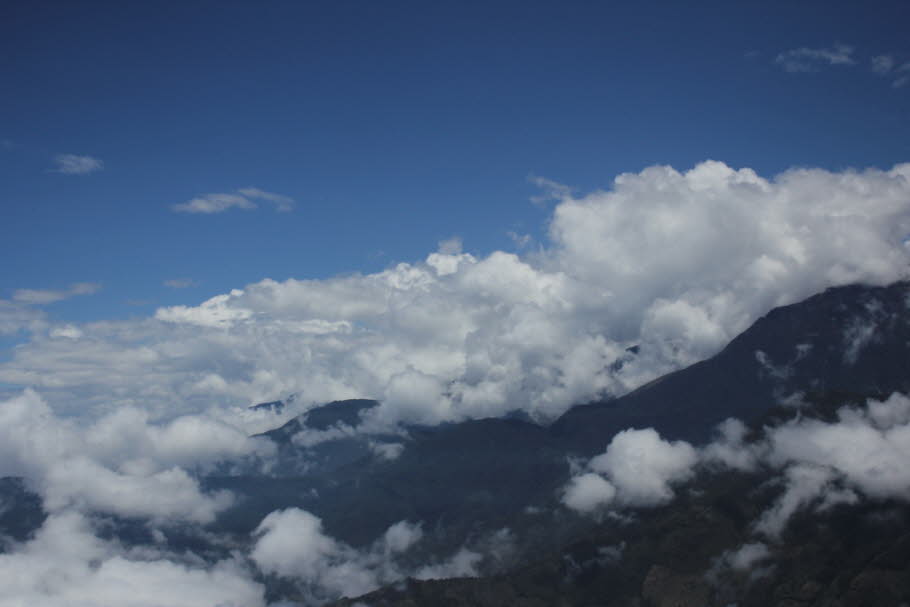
[[66, 564], [638, 469], [819, 464], [292, 544], [120, 464]]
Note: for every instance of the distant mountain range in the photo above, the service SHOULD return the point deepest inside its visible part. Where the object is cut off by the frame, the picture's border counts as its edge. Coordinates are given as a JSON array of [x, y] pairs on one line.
[[468, 483]]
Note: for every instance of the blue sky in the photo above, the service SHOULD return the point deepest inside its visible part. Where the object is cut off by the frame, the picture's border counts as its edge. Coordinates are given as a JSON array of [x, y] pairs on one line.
[[394, 125]]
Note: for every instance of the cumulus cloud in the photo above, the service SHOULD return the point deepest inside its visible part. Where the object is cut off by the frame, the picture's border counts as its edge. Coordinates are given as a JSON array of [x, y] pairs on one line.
[[869, 448], [642, 466], [676, 263], [587, 492], [729, 449], [71, 164], [292, 544], [637, 469], [244, 198], [119, 464], [813, 59], [47, 296], [65, 565], [822, 464]]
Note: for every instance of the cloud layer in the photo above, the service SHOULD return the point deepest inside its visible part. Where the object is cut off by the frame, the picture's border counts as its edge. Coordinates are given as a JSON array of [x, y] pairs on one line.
[[67, 565], [676, 263], [818, 464]]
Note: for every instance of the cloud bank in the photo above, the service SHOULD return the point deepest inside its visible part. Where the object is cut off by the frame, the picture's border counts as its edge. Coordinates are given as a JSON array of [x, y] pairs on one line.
[[676, 263], [67, 565], [119, 464]]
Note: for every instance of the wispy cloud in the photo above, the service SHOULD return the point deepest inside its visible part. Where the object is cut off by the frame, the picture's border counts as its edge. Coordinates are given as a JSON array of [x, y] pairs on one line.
[[889, 67], [551, 191], [813, 59], [180, 283], [282, 203], [243, 198], [72, 164], [47, 296]]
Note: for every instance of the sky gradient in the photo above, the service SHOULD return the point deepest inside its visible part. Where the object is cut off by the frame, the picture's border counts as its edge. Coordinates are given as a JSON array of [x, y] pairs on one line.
[[462, 210], [393, 126]]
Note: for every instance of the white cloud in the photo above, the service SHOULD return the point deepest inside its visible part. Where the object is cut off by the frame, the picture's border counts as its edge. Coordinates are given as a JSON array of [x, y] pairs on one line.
[[66, 332], [71, 164], [463, 563], [903, 76], [521, 240], [47, 296], [551, 191], [638, 469], [387, 451], [66, 565], [119, 464], [812, 59], [15, 317], [882, 64], [869, 449], [804, 484], [824, 463], [729, 449], [214, 203], [889, 67], [292, 544], [642, 466], [282, 203], [242, 199], [747, 555], [401, 536], [588, 492], [458, 336]]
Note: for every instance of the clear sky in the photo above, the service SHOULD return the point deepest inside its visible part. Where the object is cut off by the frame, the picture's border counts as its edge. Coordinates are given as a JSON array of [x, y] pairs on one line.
[[394, 125]]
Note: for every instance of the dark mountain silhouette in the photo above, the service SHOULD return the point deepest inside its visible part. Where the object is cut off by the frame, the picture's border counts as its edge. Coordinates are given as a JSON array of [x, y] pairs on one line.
[[850, 555], [484, 474], [851, 338], [465, 481]]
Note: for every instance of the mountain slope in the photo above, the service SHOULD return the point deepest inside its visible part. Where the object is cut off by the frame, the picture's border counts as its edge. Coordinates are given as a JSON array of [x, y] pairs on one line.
[[480, 475], [703, 550], [852, 338]]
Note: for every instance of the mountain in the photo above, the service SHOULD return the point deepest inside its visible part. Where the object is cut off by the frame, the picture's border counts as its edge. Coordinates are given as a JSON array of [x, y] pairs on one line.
[[852, 338], [701, 550], [493, 490], [480, 475]]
